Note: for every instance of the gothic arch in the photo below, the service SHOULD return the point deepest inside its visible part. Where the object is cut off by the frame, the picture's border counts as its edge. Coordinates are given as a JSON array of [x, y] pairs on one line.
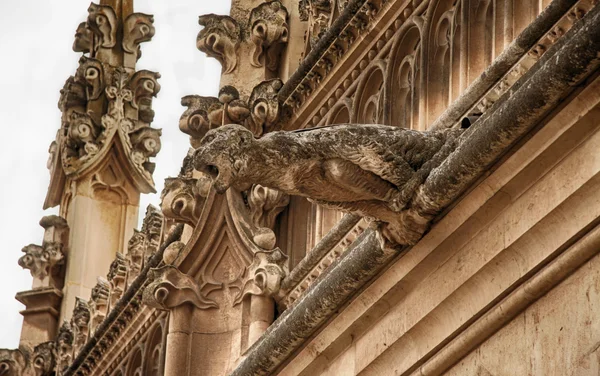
[[481, 36], [134, 367], [403, 78], [442, 62], [340, 112], [367, 104], [154, 352]]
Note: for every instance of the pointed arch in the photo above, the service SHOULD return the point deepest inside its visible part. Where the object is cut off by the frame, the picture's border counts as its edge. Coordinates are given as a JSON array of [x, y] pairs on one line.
[[367, 104], [402, 91]]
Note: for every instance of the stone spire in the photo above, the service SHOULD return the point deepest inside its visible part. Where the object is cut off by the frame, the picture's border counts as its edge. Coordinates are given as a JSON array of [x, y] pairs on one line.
[[100, 162]]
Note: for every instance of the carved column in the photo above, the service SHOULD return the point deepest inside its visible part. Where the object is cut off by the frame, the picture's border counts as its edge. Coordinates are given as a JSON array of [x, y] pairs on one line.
[[47, 266], [219, 287], [100, 161]]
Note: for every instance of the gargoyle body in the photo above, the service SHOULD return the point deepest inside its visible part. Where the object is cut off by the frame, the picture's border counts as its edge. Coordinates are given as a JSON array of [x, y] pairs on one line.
[[372, 170]]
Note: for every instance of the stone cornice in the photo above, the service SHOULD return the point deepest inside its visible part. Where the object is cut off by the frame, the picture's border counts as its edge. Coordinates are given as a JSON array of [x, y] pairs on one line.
[[565, 66]]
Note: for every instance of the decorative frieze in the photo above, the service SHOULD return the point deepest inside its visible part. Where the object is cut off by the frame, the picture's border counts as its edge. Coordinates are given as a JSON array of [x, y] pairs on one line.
[[99, 303]]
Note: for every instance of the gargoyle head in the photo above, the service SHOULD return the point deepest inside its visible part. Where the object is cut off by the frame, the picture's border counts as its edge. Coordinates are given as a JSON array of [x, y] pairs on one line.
[[221, 155]]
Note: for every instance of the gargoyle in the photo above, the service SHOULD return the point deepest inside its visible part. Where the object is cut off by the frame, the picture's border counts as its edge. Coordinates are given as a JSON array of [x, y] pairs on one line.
[[372, 170]]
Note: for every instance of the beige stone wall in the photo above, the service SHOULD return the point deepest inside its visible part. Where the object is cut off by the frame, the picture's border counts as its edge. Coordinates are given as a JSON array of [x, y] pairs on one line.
[[515, 236], [557, 335]]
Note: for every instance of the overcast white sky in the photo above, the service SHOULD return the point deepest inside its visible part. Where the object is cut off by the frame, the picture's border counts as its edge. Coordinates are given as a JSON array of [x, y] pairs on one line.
[[35, 60]]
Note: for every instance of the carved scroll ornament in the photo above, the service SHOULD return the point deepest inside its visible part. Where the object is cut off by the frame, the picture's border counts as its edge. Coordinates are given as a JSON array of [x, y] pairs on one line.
[[264, 275], [265, 109], [170, 288], [182, 198], [372, 170]]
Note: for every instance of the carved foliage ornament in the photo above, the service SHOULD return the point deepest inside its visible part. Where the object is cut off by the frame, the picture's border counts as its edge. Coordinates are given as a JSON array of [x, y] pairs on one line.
[[64, 346], [89, 127], [269, 32], [318, 15], [171, 288], [220, 38], [372, 170]]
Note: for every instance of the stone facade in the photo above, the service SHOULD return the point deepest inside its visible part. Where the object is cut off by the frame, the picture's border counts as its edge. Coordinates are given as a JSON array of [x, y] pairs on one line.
[[381, 187]]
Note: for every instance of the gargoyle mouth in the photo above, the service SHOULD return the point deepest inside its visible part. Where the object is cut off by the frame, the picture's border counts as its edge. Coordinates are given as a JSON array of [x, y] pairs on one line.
[[212, 171], [219, 180]]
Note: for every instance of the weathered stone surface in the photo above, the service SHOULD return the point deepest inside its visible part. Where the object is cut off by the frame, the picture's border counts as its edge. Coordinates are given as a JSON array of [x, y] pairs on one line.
[[373, 170]]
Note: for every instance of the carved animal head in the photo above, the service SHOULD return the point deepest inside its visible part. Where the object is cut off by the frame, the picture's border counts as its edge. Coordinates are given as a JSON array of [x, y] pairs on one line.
[[222, 155]]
